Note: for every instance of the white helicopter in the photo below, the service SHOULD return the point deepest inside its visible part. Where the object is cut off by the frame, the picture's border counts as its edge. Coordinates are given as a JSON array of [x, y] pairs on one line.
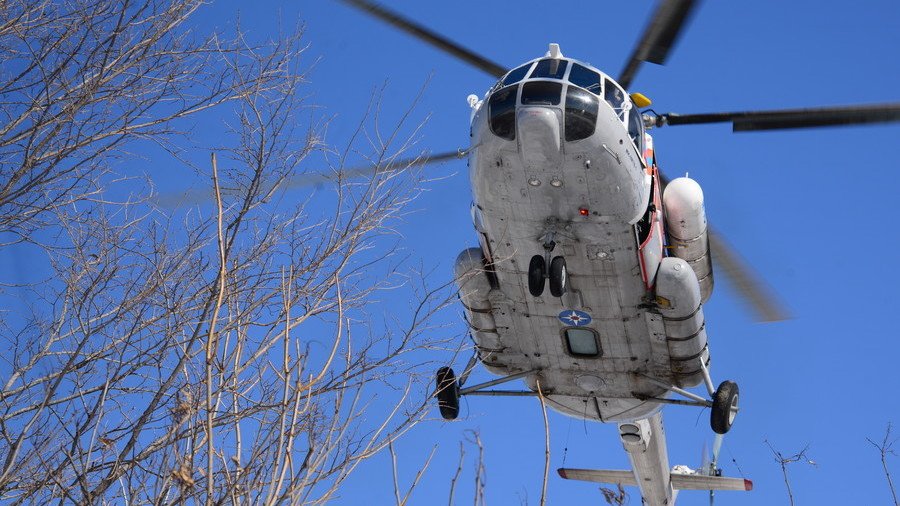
[[592, 269]]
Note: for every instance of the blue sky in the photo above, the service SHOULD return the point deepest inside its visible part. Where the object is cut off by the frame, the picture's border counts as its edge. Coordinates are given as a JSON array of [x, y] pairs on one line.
[[811, 210]]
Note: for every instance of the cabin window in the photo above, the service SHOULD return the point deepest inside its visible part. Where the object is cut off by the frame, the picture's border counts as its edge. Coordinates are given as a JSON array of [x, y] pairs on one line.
[[581, 114], [502, 106], [550, 68], [582, 342], [541, 93], [586, 78]]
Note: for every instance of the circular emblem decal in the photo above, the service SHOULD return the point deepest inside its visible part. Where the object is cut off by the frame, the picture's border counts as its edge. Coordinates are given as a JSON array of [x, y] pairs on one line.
[[574, 317]]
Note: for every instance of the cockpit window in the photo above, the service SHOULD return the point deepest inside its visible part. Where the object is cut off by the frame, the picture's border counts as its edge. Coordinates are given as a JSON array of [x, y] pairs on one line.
[[550, 68], [581, 114], [502, 106], [614, 96], [541, 93], [586, 78], [636, 128], [516, 75]]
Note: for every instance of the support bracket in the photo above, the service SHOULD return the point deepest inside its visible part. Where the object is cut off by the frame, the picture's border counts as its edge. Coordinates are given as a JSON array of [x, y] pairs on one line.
[[474, 389]]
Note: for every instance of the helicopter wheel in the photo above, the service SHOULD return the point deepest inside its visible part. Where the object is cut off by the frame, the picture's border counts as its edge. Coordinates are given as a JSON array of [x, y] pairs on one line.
[[536, 270], [725, 398], [447, 393], [559, 279]]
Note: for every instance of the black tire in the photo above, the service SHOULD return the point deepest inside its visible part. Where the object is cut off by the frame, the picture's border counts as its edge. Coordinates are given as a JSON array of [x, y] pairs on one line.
[[447, 393], [536, 269], [722, 415], [559, 277]]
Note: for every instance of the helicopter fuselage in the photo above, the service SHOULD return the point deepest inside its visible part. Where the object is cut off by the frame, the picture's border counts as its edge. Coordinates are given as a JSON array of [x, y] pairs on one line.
[[561, 167]]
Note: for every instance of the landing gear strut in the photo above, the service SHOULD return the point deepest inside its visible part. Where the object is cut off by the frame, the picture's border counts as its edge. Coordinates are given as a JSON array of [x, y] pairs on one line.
[[723, 406]]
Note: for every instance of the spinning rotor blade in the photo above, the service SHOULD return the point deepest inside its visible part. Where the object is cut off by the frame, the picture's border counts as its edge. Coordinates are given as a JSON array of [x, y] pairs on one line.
[[426, 35], [791, 118], [659, 36], [748, 284], [704, 459], [312, 179], [717, 446], [198, 196]]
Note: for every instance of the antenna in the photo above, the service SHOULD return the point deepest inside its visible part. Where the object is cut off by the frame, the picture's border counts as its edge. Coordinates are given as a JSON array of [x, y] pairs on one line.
[[554, 51]]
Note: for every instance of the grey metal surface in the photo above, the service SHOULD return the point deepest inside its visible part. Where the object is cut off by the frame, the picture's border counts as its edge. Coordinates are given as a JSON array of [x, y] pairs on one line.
[[605, 175]]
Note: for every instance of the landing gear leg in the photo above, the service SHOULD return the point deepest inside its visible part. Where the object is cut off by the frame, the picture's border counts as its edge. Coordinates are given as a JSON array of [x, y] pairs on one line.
[[723, 406]]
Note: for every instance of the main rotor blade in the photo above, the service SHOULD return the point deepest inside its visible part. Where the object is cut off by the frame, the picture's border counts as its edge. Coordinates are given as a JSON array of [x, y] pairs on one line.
[[749, 285], [659, 36], [316, 178], [745, 281], [429, 36], [791, 118], [199, 196]]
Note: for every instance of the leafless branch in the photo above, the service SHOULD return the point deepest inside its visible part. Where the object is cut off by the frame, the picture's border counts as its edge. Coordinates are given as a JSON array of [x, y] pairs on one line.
[[784, 460], [546, 445], [885, 448], [459, 468]]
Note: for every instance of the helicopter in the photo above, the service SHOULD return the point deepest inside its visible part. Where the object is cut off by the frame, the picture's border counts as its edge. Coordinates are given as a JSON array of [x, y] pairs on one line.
[[592, 268]]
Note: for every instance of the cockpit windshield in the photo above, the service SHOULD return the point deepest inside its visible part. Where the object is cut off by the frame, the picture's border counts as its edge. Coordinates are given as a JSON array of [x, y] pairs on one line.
[[550, 68], [544, 86], [516, 75], [581, 114], [541, 93], [586, 78], [502, 107]]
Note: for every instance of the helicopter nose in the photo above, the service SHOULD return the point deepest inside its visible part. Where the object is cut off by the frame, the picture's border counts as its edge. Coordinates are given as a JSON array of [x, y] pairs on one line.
[[539, 138]]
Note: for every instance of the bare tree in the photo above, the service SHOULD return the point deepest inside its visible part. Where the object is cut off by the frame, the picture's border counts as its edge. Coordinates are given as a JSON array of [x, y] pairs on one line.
[[83, 80], [223, 354], [885, 448], [784, 461]]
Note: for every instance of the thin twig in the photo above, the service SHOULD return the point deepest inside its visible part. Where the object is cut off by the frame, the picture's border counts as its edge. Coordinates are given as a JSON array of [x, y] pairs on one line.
[[783, 461], [459, 468], [885, 448], [546, 444]]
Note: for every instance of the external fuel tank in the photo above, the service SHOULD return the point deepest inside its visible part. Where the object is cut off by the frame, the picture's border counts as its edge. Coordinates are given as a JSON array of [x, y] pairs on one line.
[[687, 230], [678, 297], [474, 291]]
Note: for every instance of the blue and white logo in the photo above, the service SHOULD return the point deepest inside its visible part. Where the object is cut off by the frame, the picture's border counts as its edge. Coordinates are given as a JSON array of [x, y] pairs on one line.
[[574, 318]]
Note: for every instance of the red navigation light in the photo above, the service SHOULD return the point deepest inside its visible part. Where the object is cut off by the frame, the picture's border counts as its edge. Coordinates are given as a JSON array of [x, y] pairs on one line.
[[584, 211]]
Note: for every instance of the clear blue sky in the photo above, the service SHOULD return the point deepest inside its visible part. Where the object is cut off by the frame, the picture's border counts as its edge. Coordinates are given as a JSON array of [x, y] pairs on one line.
[[812, 210]]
